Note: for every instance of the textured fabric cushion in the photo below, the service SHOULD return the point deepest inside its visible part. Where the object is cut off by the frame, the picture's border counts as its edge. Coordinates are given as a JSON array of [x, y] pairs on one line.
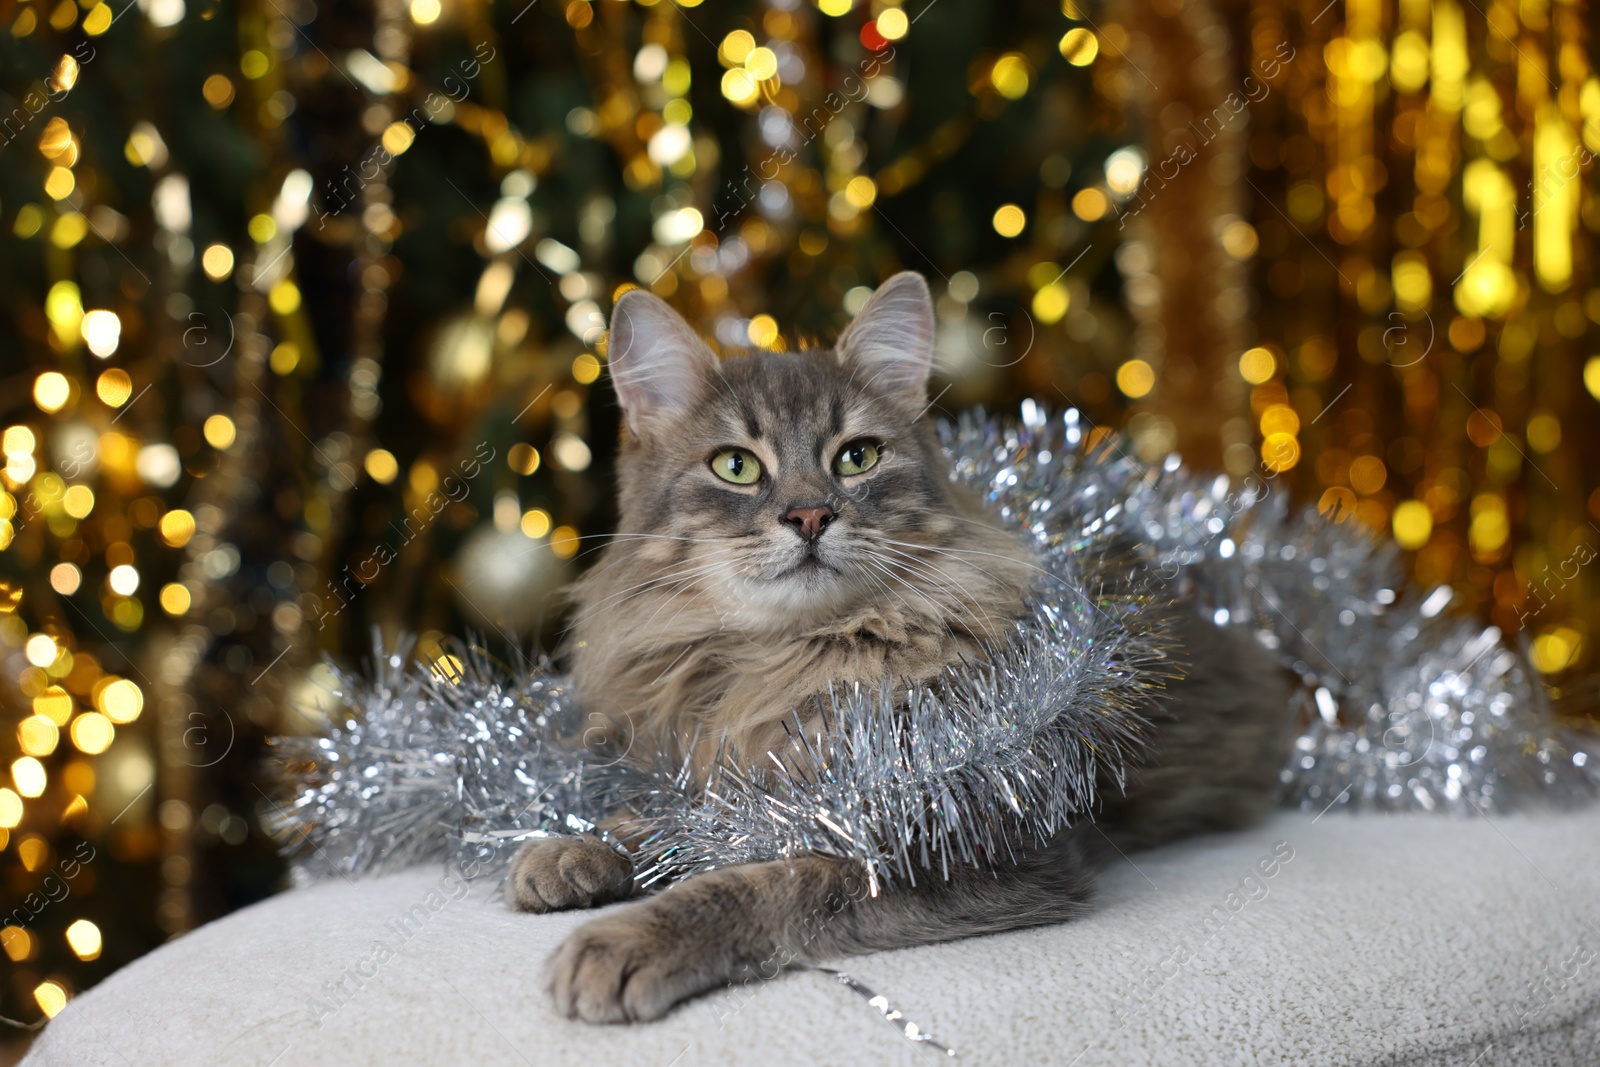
[[1373, 940]]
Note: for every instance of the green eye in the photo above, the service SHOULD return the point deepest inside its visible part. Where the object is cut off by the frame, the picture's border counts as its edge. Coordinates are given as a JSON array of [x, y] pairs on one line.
[[857, 457], [736, 465]]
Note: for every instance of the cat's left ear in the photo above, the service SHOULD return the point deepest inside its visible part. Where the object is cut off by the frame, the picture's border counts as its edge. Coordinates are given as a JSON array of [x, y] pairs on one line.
[[892, 337]]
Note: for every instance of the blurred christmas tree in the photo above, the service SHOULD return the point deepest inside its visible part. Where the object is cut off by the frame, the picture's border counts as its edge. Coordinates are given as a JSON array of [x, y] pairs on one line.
[[304, 320]]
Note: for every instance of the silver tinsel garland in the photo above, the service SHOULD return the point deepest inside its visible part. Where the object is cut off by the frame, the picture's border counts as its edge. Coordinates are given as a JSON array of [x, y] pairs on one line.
[[1402, 705]]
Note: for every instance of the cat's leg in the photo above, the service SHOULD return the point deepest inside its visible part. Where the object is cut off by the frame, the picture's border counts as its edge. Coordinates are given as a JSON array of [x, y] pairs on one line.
[[742, 923], [555, 873]]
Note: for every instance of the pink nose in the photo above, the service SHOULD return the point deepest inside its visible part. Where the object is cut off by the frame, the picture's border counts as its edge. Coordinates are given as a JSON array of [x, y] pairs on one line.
[[808, 522]]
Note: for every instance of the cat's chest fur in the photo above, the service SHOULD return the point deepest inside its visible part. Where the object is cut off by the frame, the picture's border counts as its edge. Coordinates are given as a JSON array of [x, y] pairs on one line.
[[673, 671]]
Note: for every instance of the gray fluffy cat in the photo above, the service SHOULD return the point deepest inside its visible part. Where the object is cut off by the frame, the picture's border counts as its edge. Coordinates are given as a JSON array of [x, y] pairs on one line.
[[787, 522]]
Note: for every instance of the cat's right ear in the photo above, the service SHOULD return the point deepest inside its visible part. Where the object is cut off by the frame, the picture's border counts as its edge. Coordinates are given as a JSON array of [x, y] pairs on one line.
[[658, 363]]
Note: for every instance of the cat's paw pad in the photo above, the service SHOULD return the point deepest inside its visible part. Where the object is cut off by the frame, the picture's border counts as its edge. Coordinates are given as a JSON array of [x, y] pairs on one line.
[[554, 873], [630, 966]]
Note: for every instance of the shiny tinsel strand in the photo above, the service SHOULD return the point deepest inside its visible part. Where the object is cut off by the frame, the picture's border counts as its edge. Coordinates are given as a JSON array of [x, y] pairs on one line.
[[959, 772], [1401, 704], [376, 792]]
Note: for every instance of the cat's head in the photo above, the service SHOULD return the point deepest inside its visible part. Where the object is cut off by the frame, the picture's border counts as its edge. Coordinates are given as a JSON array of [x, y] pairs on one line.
[[784, 486]]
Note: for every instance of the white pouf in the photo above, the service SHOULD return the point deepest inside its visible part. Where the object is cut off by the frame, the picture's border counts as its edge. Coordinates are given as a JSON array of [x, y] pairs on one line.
[[1383, 940]]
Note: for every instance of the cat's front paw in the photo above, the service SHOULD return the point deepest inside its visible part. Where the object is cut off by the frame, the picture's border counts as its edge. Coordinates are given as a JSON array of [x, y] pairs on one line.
[[554, 873], [633, 965]]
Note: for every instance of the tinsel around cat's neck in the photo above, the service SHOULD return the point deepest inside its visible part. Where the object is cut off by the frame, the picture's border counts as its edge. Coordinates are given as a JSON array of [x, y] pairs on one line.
[[1402, 705]]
